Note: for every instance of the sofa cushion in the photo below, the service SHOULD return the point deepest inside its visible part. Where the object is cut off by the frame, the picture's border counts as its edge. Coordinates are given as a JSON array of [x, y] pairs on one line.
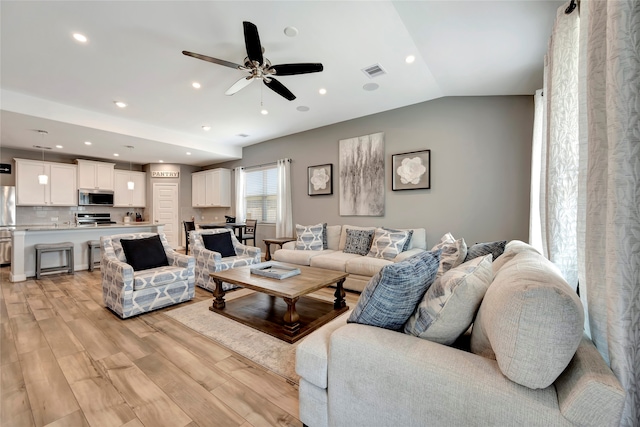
[[298, 257], [453, 253], [358, 242], [144, 253], [159, 276], [333, 261], [388, 243], [391, 296], [343, 234], [333, 236], [309, 237], [365, 266], [511, 249], [530, 321], [480, 249], [219, 242], [449, 306]]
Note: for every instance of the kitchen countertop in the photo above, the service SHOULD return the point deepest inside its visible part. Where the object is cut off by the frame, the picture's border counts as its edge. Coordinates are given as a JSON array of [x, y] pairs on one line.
[[69, 227]]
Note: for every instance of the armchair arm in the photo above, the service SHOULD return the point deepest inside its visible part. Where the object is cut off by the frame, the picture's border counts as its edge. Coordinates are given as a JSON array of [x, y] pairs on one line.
[[251, 251], [180, 260], [117, 274]]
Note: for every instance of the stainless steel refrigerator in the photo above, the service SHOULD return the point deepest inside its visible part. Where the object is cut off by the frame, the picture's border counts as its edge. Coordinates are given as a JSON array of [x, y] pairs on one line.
[[7, 221]]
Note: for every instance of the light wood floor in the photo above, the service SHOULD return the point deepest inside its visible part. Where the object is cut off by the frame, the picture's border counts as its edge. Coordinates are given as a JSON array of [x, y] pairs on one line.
[[68, 361]]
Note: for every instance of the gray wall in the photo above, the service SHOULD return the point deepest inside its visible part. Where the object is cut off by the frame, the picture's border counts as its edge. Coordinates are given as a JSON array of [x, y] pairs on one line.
[[480, 167]]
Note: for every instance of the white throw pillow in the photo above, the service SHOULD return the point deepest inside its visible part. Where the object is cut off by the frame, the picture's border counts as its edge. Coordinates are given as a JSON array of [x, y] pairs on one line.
[[310, 237], [453, 253], [449, 306]]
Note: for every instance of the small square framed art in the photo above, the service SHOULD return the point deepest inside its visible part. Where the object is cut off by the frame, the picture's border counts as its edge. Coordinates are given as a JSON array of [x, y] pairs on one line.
[[411, 171], [320, 180]]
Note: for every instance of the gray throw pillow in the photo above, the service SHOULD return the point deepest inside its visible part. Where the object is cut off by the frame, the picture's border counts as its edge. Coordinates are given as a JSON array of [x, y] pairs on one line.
[[309, 237], [358, 242], [391, 296], [479, 249]]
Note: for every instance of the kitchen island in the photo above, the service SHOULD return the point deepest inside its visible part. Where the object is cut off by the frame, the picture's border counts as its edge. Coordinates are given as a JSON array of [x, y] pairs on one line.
[[23, 254]]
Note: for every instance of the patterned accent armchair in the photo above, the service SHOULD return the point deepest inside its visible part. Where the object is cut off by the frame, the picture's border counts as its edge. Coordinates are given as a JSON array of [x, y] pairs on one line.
[[209, 261], [128, 292]]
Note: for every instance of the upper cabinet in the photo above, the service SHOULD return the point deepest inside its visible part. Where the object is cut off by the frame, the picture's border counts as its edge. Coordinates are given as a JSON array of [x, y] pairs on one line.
[[60, 189], [211, 188], [95, 175], [122, 196]]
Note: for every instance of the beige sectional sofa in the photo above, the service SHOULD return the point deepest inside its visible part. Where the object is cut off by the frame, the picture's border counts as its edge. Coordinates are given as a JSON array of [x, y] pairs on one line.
[[527, 329], [360, 268]]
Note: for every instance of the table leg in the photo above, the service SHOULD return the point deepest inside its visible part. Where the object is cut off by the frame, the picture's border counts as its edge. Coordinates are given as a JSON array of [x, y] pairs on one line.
[[218, 295], [291, 318], [339, 294], [267, 254]]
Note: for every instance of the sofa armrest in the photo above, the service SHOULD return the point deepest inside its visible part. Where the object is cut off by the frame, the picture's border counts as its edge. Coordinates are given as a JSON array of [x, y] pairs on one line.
[[397, 379], [289, 245], [407, 254]]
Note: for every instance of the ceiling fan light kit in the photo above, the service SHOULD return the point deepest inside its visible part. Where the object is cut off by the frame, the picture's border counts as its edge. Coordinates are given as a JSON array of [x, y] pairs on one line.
[[259, 67]]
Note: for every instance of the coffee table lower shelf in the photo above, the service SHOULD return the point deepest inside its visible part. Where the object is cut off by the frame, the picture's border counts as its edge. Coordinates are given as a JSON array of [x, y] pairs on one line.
[[266, 313]]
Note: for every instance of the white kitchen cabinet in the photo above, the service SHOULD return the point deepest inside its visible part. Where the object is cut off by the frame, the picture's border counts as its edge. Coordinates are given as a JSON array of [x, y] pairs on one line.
[[95, 175], [122, 196], [211, 188], [61, 189]]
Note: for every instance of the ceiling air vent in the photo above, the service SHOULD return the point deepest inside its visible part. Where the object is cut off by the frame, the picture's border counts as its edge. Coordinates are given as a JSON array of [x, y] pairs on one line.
[[374, 70], [242, 135]]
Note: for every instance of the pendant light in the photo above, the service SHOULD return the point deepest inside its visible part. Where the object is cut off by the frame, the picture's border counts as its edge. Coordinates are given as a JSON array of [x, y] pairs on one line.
[[130, 184], [43, 179]]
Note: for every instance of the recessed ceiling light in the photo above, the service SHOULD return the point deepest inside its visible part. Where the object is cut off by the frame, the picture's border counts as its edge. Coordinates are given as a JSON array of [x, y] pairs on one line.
[[188, 153], [303, 108], [116, 155], [322, 91], [120, 104], [264, 112], [370, 86], [87, 143], [196, 85], [80, 37], [291, 31], [205, 127], [59, 146], [161, 161], [409, 59]]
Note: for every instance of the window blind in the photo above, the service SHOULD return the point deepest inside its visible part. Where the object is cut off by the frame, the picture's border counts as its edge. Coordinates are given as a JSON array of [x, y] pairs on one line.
[[261, 190]]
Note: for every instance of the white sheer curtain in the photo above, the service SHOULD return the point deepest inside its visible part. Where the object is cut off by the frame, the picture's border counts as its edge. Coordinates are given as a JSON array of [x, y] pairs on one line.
[[603, 193], [559, 154], [284, 216], [535, 227], [610, 179], [241, 202]]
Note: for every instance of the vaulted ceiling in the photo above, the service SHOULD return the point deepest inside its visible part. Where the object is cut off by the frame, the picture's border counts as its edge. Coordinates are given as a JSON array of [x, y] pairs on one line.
[[52, 82]]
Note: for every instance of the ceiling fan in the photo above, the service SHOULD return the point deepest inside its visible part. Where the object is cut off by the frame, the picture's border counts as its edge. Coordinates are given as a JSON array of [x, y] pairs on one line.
[[260, 67]]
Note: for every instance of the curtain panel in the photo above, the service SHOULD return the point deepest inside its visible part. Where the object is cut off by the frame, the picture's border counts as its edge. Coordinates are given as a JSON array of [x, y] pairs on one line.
[[284, 213], [241, 202]]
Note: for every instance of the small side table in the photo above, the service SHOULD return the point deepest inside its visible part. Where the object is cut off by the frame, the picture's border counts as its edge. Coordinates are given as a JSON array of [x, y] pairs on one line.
[[275, 240]]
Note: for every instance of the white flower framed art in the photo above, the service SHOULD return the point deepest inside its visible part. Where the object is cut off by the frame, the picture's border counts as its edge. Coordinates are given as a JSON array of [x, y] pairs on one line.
[[411, 171], [320, 180]]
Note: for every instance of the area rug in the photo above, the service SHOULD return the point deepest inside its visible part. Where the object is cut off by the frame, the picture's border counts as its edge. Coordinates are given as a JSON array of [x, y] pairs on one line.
[[265, 350]]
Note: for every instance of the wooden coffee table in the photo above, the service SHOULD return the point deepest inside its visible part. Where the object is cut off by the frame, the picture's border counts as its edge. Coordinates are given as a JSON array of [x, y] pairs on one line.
[[280, 308]]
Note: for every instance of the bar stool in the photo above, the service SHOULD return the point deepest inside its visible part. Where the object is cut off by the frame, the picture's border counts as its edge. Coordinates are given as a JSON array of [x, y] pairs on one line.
[[65, 247], [93, 244]]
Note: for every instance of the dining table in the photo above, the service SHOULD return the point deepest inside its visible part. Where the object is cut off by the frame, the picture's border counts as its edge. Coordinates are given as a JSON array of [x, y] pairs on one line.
[[237, 227]]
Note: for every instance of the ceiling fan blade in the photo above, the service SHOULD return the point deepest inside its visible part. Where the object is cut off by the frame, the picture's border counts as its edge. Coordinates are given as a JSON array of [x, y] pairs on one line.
[[279, 88], [210, 59], [291, 69], [240, 84], [252, 42]]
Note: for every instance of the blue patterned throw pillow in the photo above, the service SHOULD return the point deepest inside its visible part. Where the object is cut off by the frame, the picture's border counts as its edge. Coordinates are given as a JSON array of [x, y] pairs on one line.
[[391, 296], [358, 242], [407, 243], [388, 243], [309, 237], [479, 249]]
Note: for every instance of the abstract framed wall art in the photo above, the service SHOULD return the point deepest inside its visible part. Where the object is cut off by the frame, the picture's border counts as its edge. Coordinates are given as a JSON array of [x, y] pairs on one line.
[[320, 180], [361, 171], [411, 171]]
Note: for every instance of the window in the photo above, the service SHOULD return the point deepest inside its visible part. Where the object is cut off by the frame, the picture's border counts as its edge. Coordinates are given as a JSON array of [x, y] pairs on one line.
[[261, 189]]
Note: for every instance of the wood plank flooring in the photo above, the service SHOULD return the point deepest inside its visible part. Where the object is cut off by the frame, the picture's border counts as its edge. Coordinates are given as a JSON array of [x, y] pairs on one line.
[[65, 360]]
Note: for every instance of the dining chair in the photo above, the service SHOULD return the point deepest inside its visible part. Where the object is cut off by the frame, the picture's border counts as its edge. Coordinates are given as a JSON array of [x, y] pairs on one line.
[[188, 226], [249, 231]]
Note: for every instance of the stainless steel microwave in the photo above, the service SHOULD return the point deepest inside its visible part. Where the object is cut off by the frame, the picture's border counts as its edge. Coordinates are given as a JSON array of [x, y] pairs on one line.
[[95, 198]]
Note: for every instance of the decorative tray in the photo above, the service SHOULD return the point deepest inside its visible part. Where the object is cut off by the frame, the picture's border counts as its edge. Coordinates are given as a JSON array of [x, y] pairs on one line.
[[274, 270]]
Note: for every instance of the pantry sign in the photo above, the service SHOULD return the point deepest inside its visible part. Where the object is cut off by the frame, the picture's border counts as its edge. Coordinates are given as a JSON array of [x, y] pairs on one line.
[[165, 174]]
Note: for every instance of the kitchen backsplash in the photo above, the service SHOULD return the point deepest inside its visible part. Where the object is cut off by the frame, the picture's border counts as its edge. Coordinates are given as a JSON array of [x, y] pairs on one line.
[[46, 215]]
